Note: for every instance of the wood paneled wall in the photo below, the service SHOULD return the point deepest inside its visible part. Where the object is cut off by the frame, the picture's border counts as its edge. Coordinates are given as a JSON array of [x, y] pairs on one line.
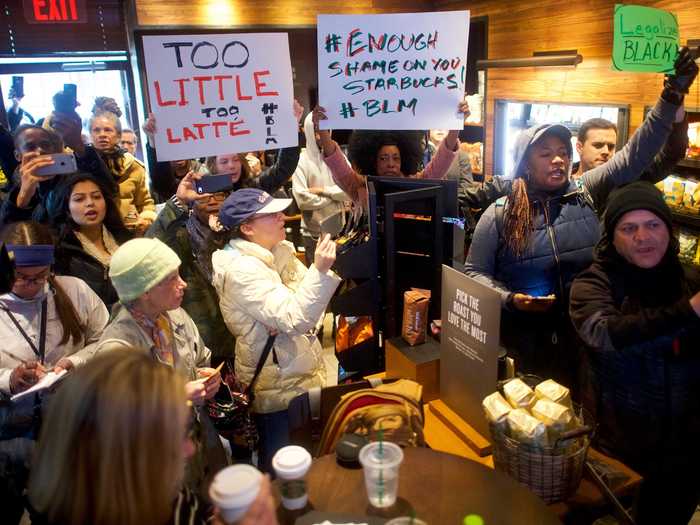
[[517, 29], [261, 12]]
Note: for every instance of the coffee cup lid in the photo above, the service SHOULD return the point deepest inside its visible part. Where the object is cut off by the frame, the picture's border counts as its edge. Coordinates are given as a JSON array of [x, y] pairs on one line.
[[291, 462], [381, 455], [235, 486]]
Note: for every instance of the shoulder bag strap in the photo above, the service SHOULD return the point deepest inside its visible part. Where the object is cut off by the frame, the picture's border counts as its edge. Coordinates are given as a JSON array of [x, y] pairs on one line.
[[261, 362], [41, 351]]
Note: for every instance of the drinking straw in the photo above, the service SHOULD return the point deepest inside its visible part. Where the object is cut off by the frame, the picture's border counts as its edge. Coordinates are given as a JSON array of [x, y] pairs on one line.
[[381, 456]]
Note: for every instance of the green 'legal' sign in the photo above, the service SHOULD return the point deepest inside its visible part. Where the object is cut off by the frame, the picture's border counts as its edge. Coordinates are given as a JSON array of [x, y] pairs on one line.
[[645, 39]]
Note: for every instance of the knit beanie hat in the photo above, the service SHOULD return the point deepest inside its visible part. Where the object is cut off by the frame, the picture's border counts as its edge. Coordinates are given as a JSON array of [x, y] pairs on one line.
[[140, 264], [635, 196]]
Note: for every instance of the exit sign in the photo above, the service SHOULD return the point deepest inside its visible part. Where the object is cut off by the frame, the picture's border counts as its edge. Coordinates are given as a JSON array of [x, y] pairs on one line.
[[55, 11]]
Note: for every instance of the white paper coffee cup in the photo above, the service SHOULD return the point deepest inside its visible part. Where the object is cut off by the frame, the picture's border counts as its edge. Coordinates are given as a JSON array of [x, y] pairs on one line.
[[291, 465], [233, 490]]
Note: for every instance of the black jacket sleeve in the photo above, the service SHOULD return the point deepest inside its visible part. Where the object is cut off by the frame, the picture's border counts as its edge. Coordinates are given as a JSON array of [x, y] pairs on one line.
[[602, 325], [673, 150], [8, 162], [10, 212], [274, 177], [91, 162], [480, 196]]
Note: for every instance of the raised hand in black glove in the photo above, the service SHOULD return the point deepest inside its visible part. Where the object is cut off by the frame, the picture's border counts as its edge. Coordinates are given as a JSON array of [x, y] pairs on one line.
[[678, 84]]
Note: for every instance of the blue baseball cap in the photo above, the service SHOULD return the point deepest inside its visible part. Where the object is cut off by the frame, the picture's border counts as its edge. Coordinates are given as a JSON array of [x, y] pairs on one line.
[[31, 255], [243, 204]]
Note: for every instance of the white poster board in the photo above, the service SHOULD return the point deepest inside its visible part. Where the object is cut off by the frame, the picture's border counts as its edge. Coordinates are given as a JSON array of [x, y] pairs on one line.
[[218, 94], [394, 71]]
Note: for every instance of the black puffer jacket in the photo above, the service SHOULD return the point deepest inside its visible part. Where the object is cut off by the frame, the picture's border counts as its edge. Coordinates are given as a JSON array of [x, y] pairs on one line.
[[643, 364]]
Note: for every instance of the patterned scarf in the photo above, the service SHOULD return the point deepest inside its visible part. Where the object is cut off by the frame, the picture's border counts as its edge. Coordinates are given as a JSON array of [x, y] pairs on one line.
[[108, 241], [114, 159], [161, 332]]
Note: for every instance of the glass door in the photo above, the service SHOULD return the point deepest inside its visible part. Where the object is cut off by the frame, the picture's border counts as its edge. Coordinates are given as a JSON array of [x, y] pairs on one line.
[[94, 76]]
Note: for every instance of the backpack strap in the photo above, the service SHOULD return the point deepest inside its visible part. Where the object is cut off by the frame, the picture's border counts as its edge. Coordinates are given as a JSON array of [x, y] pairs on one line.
[[500, 210], [374, 382], [584, 195], [314, 394]]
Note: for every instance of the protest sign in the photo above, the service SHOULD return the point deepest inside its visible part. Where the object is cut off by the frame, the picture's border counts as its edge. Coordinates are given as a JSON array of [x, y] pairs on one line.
[[218, 94], [399, 71], [644, 39]]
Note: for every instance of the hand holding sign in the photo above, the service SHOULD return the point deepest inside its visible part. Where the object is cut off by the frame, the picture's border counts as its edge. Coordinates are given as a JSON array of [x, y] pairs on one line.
[[149, 128], [453, 134], [327, 144], [298, 111], [686, 71]]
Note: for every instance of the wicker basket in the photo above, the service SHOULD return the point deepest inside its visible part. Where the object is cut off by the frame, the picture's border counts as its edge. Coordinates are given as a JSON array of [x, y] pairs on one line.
[[553, 473]]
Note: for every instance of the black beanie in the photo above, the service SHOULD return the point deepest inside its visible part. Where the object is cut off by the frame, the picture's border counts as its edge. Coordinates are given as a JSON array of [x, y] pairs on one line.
[[635, 196]]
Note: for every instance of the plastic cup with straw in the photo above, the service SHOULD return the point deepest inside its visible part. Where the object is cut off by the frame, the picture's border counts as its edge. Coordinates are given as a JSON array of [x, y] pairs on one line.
[[380, 462]]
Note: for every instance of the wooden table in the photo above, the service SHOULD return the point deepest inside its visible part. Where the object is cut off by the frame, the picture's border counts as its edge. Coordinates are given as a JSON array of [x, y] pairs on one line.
[[441, 488]]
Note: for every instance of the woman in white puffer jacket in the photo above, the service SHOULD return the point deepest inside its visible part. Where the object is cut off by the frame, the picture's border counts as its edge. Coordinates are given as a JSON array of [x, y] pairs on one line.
[[264, 289]]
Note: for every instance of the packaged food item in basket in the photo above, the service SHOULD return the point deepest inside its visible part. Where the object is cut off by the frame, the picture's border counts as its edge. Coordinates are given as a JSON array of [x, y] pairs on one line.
[[415, 315], [557, 418], [496, 409], [526, 429], [518, 394], [674, 189], [688, 243], [690, 202], [553, 391]]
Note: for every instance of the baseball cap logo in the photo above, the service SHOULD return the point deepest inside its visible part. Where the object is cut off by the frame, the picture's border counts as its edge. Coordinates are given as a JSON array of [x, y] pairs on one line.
[[263, 197]]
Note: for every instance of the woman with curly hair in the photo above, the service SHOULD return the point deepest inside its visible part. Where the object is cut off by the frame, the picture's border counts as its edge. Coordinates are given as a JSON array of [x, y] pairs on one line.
[[384, 154], [137, 207]]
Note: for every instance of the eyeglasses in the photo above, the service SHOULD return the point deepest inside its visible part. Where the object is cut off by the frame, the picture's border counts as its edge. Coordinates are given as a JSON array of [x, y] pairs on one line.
[[34, 279]]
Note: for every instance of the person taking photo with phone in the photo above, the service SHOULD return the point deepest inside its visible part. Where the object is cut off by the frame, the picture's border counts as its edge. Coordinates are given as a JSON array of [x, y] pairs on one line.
[[268, 296], [189, 224], [37, 150]]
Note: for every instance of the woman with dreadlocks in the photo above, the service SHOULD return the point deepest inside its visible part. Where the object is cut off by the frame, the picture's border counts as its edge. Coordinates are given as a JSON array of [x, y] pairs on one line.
[[384, 154], [530, 245]]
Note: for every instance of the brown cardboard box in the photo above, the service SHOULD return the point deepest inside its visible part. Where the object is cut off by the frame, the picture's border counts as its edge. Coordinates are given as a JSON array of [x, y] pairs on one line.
[[420, 363]]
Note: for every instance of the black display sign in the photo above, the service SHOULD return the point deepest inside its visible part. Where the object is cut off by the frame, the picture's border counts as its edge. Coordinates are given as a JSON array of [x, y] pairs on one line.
[[471, 320]]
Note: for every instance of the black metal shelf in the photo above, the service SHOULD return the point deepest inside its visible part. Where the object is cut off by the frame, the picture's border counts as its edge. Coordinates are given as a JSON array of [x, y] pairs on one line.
[[692, 221], [692, 271], [689, 163]]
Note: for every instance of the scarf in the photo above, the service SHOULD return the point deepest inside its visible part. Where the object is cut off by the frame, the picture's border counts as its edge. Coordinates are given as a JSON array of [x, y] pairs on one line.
[[161, 332], [107, 240], [114, 159]]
